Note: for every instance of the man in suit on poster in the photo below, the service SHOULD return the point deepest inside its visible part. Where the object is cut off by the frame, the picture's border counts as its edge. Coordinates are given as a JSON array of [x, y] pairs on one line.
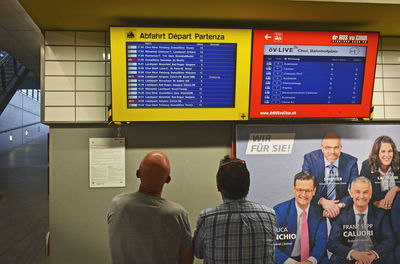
[[301, 228], [333, 171], [362, 233]]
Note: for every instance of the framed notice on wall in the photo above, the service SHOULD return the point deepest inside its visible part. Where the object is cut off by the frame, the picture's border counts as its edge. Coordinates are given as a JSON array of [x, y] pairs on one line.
[[106, 162]]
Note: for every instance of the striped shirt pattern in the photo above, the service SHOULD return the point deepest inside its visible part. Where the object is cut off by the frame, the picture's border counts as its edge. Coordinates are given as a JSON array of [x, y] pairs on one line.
[[237, 231]]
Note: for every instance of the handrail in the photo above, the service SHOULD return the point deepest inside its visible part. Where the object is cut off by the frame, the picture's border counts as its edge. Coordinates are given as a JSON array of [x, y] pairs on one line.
[[7, 62], [5, 58]]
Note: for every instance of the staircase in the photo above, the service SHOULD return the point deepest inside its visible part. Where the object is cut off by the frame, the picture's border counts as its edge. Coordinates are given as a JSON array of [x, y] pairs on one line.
[[12, 73]]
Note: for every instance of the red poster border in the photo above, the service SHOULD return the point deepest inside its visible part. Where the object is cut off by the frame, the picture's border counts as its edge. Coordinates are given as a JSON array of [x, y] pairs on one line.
[[261, 37]]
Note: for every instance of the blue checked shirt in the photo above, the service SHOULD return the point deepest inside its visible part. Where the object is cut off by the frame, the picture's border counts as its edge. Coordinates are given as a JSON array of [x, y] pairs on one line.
[[237, 231]]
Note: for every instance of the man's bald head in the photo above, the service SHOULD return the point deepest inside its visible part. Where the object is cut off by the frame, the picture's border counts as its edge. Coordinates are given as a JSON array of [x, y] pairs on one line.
[[154, 171]]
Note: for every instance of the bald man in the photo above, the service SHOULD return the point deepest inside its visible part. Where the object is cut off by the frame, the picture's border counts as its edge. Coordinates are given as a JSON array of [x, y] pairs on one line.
[[145, 228], [333, 171]]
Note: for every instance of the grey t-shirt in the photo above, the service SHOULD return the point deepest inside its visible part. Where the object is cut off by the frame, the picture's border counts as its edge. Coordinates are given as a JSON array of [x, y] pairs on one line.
[[145, 229]]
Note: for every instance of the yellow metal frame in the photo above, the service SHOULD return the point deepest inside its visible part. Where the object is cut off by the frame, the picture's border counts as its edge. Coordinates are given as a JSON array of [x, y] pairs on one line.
[[120, 35]]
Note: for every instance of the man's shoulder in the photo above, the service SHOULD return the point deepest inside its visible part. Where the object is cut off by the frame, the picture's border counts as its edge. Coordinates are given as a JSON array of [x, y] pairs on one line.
[[122, 198], [208, 211], [377, 213], [129, 199], [316, 211], [346, 212], [262, 207], [237, 207], [314, 154], [174, 206], [281, 207], [348, 157]]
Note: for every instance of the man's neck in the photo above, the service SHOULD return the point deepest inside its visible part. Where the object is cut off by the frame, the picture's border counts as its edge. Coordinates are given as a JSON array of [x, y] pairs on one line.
[[151, 192], [361, 209], [228, 200], [302, 207]]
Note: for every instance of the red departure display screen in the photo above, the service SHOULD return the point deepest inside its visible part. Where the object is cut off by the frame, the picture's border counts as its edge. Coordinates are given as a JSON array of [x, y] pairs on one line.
[[312, 74]]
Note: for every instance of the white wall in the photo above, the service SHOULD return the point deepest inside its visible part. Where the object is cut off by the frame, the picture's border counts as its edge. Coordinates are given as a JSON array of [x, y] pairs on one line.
[[76, 77], [21, 114], [386, 96]]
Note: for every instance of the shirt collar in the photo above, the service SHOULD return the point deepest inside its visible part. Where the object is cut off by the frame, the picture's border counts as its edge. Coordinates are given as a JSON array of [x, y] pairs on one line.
[[336, 163], [358, 212], [299, 210], [227, 200], [389, 171]]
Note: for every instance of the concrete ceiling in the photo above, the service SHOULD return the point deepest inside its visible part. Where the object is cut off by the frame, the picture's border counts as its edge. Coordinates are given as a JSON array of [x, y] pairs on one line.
[[276, 14], [271, 14], [19, 35]]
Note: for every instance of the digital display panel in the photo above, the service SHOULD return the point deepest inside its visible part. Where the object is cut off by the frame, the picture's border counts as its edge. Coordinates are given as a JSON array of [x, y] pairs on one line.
[[179, 74], [297, 74], [332, 75]]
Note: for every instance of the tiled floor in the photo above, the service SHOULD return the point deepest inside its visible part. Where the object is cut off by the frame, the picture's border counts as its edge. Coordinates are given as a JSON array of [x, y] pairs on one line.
[[24, 204]]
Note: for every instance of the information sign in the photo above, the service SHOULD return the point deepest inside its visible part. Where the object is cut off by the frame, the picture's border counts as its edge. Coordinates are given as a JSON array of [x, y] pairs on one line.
[[312, 74], [179, 74]]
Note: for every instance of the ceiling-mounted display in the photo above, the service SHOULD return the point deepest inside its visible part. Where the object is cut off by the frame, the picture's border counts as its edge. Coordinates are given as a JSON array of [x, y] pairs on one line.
[[179, 74], [311, 74]]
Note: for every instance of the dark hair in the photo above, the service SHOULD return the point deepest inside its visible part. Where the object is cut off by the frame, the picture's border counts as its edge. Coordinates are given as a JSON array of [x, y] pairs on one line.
[[373, 158], [302, 176], [233, 178]]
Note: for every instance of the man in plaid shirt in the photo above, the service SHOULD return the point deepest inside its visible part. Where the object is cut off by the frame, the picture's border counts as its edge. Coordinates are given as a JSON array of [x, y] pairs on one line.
[[237, 231]]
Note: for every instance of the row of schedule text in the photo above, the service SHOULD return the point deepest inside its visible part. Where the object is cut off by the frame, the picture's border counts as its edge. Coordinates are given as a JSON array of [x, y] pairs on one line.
[[180, 74]]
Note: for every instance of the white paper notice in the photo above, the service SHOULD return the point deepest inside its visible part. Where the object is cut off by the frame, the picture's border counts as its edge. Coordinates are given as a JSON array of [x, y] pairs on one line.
[[107, 162]]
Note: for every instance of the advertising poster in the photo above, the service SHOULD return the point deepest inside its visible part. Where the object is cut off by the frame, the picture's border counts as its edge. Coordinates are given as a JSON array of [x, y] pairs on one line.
[[353, 221]]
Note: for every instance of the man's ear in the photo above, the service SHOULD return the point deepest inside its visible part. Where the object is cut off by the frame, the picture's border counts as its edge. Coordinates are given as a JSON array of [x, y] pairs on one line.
[[219, 190], [314, 190], [138, 173], [168, 179]]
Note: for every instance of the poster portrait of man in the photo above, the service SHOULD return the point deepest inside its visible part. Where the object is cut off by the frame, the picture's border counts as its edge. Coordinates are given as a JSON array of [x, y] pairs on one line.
[[334, 171], [301, 227], [362, 233]]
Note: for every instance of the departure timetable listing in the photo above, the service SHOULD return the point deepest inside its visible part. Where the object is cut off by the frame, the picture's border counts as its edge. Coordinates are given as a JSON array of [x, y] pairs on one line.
[[312, 74], [180, 75]]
